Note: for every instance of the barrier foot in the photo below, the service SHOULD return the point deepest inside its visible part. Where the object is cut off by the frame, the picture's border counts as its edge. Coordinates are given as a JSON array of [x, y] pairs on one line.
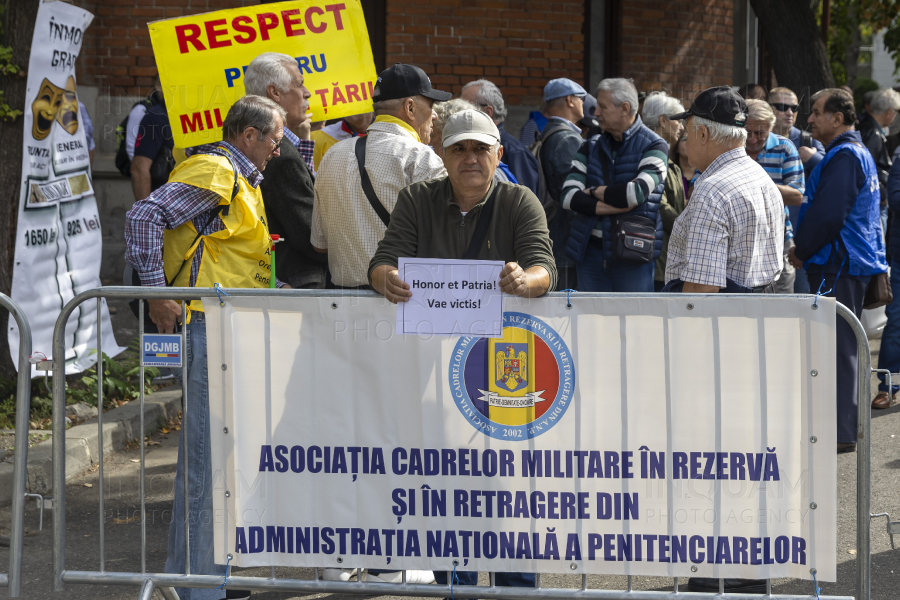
[[147, 590], [169, 593]]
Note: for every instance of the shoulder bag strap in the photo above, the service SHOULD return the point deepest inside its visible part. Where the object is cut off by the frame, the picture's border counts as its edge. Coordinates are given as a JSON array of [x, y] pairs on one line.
[[216, 212], [371, 196], [481, 228]]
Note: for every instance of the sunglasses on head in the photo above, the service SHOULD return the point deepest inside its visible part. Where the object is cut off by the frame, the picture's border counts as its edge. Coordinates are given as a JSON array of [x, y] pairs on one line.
[[781, 107]]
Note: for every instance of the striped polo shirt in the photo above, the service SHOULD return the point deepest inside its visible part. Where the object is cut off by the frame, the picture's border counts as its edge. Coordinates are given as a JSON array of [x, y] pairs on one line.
[[781, 161]]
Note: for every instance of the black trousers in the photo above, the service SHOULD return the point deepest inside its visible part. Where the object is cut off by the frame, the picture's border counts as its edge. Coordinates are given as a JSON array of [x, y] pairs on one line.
[[850, 291]]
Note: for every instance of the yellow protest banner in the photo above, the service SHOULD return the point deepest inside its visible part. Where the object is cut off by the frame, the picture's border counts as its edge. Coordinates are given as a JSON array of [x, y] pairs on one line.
[[202, 58]]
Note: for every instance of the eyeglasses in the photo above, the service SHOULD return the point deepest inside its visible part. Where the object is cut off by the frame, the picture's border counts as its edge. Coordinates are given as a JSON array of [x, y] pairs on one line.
[[782, 107], [758, 134], [277, 144]]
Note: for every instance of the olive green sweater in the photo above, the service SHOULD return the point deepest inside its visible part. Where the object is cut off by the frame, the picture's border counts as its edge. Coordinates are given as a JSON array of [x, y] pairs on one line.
[[427, 223]]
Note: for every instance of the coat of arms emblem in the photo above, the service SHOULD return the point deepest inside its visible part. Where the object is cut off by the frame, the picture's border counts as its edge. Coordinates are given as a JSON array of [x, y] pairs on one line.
[[512, 367]]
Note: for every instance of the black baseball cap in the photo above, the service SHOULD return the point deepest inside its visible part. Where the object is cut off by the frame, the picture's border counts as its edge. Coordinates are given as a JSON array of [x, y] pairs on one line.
[[719, 104], [403, 81]]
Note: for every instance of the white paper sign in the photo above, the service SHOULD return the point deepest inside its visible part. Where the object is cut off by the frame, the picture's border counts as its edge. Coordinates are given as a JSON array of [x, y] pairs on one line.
[[451, 297], [661, 441], [58, 238]]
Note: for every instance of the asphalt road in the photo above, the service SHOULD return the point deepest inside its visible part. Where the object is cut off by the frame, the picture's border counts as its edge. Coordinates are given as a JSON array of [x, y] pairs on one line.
[[123, 530]]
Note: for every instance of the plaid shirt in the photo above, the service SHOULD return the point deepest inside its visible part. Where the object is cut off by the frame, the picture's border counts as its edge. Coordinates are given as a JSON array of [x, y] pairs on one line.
[[733, 227], [781, 161], [306, 148], [171, 206]]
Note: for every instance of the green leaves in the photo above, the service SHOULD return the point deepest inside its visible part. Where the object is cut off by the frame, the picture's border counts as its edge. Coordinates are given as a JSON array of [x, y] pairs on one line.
[[121, 383], [7, 113]]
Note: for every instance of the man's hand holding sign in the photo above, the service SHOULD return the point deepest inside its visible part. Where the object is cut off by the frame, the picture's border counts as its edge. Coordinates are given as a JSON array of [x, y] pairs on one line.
[[468, 215], [513, 280]]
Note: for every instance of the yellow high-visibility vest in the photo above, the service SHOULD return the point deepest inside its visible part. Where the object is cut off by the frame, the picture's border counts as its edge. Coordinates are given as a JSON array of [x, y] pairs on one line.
[[238, 256]]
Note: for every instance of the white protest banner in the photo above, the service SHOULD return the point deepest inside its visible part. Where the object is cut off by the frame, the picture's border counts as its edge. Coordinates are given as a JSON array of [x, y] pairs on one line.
[[665, 439], [451, 297], [58, 241]]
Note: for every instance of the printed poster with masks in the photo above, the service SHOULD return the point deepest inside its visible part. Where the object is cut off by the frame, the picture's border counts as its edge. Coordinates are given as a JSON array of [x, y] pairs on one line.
[[58, 240], [616, 436]]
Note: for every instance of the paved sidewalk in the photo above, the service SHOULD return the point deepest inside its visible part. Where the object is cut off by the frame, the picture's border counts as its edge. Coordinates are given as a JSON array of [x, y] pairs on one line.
[[123, 531]]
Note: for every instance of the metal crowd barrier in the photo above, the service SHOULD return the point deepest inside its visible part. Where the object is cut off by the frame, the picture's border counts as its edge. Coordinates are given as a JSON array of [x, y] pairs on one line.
[[166, 582], [13, 580]]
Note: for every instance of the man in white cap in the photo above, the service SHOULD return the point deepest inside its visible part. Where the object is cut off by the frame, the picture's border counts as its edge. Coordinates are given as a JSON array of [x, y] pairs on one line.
[[430, 217]]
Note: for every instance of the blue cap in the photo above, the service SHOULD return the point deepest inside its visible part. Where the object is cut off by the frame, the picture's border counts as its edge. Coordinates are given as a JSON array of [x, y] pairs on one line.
[[560, 88]]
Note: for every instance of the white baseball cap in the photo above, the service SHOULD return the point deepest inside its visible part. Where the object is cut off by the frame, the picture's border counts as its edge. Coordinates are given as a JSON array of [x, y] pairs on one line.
[[470, 125]]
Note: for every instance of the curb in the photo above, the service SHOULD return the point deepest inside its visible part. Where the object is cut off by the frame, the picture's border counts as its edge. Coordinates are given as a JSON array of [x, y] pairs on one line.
[[82, 450]]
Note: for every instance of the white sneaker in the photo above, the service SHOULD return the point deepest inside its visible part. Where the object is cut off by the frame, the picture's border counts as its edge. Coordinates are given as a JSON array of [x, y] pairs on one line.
[[397, 577], [338, 574]]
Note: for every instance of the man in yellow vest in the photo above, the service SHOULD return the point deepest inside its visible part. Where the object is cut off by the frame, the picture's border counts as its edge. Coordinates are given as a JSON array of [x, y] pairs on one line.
[[207, 225], [346, 128]]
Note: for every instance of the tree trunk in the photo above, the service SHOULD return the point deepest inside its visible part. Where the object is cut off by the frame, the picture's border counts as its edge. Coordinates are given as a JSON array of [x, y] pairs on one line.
[[800, 57], [18, 30], [851, 61]]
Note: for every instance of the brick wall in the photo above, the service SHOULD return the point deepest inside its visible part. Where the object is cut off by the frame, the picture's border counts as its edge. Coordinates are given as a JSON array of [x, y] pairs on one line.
[[516, 44], [682, 46], [117, 55]]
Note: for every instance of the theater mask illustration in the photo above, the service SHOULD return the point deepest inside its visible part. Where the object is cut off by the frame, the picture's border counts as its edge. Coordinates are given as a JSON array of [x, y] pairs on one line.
[[68, 109], [45, 108]]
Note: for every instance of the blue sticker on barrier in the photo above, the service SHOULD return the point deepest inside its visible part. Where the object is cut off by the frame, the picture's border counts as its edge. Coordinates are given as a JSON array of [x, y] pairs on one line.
[[161, 350]]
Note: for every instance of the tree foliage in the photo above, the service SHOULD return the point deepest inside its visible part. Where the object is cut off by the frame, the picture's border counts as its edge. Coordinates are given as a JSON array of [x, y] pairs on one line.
[[18, 27], [793, 38], [853, 21], [884, 14]]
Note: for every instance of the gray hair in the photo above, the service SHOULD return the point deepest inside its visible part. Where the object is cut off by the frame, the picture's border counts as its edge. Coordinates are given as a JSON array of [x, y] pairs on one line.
[[269, 68], [387, 106], [489, 94], [884, 100], [657, 104], [445, 110], [621, 90], [251, 111], [548, 104], [760, 110], [721, 133]]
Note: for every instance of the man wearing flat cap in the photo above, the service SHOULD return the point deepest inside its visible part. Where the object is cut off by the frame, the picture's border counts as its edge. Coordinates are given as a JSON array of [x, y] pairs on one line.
[[359, 179], [438, 218], [730, 237]]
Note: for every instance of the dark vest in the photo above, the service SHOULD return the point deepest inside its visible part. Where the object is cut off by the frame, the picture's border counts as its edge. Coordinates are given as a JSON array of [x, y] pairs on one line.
[[861, 233], [623, 169]]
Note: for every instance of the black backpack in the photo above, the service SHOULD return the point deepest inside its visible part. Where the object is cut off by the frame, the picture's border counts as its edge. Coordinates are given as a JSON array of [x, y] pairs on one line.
[[551, 207], [123, 163]]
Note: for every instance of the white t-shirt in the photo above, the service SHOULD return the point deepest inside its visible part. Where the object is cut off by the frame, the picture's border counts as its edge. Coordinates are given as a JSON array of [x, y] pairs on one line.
[[132, 126]]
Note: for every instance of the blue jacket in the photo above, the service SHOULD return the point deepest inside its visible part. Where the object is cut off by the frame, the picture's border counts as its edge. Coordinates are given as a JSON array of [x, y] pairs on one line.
[[840, 219], [521, 162], [796, 137], [893, 194], [623, 169]]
